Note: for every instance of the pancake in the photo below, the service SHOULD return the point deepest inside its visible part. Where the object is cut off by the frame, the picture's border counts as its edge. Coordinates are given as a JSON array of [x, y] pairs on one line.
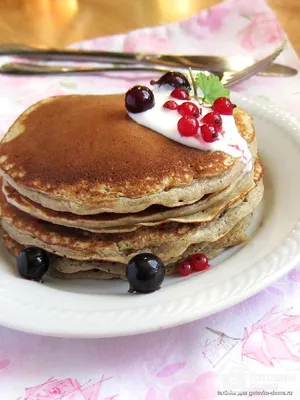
[[204, 210], [65, 268], [82, 154], [168, 241]]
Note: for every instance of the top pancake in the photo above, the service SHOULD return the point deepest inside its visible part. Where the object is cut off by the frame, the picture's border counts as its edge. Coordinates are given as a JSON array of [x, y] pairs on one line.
[[85, 150]]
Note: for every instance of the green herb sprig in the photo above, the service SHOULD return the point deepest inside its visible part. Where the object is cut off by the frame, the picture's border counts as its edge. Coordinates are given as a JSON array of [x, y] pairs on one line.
[[210, 86]]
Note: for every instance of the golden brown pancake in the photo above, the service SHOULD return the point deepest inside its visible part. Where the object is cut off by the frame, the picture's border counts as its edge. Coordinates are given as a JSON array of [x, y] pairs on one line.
[[61, 267], [168, 241], [204, 210], [83, 154]]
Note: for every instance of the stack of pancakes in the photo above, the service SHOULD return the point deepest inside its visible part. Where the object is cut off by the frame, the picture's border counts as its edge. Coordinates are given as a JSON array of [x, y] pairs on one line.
[[93, 188]]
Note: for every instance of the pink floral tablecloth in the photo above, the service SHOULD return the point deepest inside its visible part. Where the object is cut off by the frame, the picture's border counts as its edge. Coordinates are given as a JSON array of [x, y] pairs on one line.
[[250, 350]]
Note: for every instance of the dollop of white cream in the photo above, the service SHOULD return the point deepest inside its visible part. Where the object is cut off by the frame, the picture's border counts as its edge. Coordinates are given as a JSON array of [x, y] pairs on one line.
[[164, 121]]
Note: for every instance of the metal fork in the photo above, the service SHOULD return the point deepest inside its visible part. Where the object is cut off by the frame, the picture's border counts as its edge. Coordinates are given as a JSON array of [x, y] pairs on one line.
[[229, 79]]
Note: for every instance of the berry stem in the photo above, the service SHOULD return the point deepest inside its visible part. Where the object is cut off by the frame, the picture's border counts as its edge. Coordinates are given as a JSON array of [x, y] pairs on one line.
[[194, 86]]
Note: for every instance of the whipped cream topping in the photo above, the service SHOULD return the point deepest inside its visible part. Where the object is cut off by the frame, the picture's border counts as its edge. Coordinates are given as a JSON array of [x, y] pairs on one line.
[[164, 121]]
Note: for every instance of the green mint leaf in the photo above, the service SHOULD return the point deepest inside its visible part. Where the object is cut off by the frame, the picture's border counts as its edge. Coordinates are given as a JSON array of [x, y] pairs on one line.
[[211, 87]]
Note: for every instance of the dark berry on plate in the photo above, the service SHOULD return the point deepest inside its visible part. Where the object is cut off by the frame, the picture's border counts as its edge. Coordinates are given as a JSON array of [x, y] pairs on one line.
[[175, 79], [180, 94], [189, 108], [145, 273], [185, 268], [209, 133], [188, 126], [139, 99], [170, 105], [214, 119], [33, 263], [223, 106], [199, 262]]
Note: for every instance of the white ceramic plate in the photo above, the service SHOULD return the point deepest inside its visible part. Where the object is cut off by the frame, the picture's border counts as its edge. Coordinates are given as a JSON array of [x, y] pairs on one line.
[[104, 308]]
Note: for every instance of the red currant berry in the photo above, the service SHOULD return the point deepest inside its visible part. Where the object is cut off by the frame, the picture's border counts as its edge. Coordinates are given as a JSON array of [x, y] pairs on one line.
[[170, 105], [180, 94], [185, 268], [223, 106], [213, 119], [199, 262], [209, 133], [188, 126], [189, 108]]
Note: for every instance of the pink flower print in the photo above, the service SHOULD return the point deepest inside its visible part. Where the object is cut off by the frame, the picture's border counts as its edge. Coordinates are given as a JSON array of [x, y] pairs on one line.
[[53, 389], [151, 394], [274, 290], [203, 388], [216, 349], [155, 393], [4, 363], [65, 389], [211, 20], [170, 369], [294, 275], [193, 28], [268, 339], [262, 29], [148, 42]]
